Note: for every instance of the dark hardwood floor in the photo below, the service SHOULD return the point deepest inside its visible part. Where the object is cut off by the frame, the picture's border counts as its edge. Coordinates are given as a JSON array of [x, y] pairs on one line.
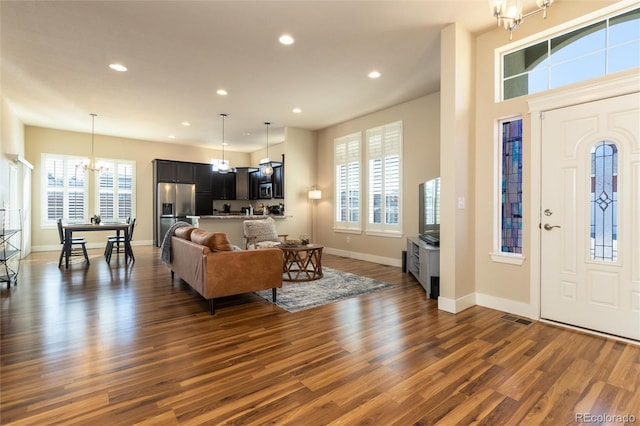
[[119, 345]]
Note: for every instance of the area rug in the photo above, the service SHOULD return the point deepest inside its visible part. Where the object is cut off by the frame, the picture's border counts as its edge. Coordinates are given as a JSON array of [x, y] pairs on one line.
[[332, 287]]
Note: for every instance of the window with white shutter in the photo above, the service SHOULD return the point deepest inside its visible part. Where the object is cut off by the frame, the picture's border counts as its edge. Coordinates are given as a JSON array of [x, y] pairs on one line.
[[65, 193], [384, 183], [347, 160], [115, 191]]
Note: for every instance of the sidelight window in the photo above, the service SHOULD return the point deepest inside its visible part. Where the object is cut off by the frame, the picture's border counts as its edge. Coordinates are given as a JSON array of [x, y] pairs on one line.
[[511, 187]]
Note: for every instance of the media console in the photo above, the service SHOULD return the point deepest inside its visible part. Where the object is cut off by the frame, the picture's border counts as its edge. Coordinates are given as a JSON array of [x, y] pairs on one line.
[[423, 261]]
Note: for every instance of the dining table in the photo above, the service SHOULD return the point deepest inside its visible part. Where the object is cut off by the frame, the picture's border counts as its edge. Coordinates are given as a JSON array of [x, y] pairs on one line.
[[69, 229]]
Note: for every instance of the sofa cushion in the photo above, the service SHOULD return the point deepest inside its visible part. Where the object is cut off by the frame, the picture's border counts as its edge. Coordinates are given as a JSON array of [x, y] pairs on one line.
[[216, 241], [184, 232], [262, 230]]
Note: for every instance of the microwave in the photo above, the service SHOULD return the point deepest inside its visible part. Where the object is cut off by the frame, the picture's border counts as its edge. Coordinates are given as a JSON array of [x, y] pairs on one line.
[[266, 190]]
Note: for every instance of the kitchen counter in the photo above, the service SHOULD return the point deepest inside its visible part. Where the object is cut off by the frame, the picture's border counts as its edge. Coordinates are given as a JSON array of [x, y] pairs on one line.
[[230, 224], [231, 216]]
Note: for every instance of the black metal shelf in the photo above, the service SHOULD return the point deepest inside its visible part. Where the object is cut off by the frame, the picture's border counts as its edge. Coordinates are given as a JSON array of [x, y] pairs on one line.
[[10, 246]]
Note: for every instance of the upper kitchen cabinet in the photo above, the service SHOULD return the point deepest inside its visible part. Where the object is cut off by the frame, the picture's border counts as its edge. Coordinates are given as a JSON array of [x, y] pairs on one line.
[[278, 182], [174, 171], [202, 175], [223, 186], [243, 182]]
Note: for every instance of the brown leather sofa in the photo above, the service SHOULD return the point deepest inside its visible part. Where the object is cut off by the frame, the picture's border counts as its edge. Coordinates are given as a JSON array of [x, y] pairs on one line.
[[208, 263]]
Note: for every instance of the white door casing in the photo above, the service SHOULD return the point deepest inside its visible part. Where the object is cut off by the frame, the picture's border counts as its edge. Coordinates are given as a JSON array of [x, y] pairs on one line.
[[574, 289]]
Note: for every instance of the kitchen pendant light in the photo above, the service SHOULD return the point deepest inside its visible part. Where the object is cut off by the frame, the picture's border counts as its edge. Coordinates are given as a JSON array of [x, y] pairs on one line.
[[89, 164], [266, 168], [224, 166]]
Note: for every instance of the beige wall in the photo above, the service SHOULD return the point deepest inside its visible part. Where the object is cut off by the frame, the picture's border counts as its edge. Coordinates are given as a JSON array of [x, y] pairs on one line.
[[299, 176], [421, 161], [41, 140], [500, 285]]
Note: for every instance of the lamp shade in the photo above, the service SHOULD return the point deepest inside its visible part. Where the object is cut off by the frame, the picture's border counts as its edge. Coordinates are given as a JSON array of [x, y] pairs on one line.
[[315, 194]]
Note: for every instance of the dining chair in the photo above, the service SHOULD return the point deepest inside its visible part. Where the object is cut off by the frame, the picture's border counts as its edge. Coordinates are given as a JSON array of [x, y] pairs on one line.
[[115, 241], [78, 246]]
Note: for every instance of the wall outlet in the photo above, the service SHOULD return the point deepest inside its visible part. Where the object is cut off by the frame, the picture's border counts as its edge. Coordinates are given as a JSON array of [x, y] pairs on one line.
[[348, 239], [461, 202]]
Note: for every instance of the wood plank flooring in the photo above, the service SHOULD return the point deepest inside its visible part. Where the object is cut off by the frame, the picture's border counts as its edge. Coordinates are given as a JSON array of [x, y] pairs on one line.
[[120, 345]]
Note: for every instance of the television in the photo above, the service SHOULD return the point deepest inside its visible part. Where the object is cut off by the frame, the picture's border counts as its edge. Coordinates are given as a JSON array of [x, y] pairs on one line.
[[429, 211]]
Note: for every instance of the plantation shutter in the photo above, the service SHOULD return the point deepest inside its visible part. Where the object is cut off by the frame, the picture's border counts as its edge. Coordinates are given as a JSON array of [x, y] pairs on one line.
[[384, 154], [347, 182]]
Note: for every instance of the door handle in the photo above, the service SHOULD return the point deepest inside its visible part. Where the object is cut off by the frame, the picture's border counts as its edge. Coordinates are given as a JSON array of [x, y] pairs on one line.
[[549, 227]]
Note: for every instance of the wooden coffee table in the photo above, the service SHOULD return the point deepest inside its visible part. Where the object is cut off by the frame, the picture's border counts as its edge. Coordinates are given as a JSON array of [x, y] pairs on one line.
[[302, 262]]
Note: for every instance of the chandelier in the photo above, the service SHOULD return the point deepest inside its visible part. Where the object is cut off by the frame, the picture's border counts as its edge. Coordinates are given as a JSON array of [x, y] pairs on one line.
[[224, 166], [266, 168], [510, 12], [89, 164]]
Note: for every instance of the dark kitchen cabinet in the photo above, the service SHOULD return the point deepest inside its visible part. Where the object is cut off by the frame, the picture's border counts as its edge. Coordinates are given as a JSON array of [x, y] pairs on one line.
[[202, 175], [255, 179], [204, 203], [223, 186], [278, 182], [243, 182], [174, 171]]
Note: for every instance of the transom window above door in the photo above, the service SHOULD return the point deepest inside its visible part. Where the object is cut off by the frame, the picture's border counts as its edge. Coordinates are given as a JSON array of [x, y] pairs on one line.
[[594, 50]]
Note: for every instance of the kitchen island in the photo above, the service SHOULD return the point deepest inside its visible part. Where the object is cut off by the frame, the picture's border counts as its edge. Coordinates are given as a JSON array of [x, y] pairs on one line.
[[231, 224]]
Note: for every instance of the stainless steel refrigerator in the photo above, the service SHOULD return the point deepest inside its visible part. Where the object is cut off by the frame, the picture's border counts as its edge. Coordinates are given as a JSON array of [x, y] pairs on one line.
[[176, 201]]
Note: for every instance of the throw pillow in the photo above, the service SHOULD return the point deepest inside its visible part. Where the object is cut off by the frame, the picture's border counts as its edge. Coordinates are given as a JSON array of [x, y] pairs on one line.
[[184, 232]]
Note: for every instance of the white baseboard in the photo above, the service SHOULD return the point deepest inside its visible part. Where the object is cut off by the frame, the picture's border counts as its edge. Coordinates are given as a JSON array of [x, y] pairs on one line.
[[363, 256], [509, 306], [57, 247], [457, 305]]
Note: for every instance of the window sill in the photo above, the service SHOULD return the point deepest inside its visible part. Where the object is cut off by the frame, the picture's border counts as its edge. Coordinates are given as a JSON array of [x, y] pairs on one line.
[[511, 259], [384, 234], [347, 231]]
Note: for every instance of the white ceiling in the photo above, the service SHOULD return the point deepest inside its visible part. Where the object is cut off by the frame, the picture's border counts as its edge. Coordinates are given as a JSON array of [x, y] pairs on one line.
[[55, 57]]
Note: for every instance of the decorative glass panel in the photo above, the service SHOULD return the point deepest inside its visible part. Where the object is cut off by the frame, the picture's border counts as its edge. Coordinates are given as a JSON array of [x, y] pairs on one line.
[[604, 202], [511, 232]]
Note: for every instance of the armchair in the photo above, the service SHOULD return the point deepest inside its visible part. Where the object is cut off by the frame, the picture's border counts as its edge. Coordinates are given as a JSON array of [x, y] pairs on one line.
[[262, 233]]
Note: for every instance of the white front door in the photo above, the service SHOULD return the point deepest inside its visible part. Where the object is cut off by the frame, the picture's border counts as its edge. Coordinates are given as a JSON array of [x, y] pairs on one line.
[[590, 218]]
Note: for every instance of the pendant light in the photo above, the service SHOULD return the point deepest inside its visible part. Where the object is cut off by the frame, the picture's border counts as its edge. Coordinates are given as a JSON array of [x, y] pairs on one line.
[[89, 164], [265, 164], [224, 167]]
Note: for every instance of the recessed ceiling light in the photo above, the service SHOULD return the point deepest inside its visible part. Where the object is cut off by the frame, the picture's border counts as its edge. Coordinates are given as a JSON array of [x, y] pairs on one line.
[[286, 39], [374, 74], [118, 67], [221, 92], [186, 124], [171, 136], [246, 134], [297, 110]]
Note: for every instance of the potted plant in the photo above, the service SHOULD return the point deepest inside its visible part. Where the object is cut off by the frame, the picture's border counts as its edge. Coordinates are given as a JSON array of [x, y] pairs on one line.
[[96, 219]]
